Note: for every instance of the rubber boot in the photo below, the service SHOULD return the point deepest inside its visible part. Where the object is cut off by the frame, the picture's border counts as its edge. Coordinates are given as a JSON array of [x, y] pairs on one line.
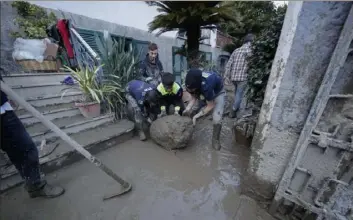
[[45, 190], [139, 127], [142, 135], [216, 144]]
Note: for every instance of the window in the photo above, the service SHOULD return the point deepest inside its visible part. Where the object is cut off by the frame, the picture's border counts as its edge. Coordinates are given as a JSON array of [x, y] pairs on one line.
[[181, 34], [128, 41], [222, 62], [206, 56], [206, 36], [179, 64], [141, 48]]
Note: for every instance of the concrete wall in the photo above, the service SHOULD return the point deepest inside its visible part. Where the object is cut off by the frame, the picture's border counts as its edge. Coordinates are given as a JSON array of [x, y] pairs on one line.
[[165, 43], [308, 38], [8, 14]]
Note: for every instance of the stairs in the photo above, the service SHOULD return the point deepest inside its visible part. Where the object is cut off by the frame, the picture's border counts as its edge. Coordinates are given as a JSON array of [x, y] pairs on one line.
[[43, 91]]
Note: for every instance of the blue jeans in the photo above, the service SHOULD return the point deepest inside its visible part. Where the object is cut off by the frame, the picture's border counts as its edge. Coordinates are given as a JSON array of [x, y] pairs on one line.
[[20, 148], [239, 93]]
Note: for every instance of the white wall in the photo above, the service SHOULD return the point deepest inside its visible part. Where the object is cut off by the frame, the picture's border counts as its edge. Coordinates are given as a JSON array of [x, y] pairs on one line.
[[135, 14]]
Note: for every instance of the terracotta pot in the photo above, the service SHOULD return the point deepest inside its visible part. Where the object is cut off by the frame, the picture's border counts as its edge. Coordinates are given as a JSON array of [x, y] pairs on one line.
[[89, 110]]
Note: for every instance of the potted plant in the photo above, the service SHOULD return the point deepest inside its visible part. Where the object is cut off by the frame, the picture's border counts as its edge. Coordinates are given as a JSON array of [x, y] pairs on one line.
[[121, 66], [94, 93]]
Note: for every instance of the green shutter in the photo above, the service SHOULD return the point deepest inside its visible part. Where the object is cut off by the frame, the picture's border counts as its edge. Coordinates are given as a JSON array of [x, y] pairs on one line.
[[90, 37]]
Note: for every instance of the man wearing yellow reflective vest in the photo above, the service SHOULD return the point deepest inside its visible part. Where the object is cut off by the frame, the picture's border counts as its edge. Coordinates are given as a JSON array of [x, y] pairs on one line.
[[171, 93]]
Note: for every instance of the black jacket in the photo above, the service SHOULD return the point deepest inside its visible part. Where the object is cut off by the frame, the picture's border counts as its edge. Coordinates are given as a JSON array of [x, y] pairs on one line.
[[3, 95], [148, 69]]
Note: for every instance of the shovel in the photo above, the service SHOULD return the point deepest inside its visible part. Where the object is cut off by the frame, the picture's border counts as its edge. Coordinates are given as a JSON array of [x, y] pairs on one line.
[[126, 187]]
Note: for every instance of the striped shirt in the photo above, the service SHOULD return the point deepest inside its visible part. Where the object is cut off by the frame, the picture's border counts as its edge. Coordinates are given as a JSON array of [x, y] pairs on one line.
[[237, 66]]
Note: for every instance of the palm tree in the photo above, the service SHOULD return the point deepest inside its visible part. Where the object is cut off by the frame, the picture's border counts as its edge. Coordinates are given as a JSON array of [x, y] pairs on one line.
[[190, 17]]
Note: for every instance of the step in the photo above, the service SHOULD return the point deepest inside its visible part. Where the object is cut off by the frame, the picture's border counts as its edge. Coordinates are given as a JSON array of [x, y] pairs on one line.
[[93, 140], [52, 99], [28, 119], [75, 127], [41, 90], [28, 79], [60, 122], [46, 108]]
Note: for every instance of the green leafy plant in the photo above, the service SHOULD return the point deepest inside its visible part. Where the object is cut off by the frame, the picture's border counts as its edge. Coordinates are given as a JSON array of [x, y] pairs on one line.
[[253, 18], [264, 49], [121, 66], [190, 17], [32, 20], [91, 89]]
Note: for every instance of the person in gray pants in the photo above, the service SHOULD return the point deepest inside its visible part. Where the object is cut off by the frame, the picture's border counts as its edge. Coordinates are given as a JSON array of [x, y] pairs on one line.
[[207, 86]]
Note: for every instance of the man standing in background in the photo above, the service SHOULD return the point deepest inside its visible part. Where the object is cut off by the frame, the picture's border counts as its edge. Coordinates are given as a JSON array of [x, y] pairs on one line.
[[236, 71], [151, 67]]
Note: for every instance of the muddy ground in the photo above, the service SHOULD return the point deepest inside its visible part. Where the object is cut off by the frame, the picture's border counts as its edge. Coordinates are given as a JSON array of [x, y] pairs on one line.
[[195, 183]]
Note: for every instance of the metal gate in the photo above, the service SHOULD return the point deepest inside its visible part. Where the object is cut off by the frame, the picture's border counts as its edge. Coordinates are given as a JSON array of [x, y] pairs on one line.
[[318, 181]]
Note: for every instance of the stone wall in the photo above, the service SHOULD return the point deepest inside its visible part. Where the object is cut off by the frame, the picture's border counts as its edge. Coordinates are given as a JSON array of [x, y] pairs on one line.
[[8, 14], [309, 36], [165, 44]]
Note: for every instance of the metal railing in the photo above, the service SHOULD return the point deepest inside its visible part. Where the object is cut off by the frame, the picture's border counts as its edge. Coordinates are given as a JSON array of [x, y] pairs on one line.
[[85, 56]]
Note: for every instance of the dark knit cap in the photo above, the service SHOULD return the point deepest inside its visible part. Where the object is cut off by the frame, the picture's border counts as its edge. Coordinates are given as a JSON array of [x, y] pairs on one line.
[[168, 79], [193, 79]]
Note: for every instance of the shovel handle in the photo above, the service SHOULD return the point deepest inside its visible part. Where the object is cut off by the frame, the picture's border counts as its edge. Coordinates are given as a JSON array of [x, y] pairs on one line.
[[6, 89]]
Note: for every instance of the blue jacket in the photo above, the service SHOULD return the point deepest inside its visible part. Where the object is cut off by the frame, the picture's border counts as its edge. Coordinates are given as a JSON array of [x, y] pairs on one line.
[[211, 86], [138, 89]]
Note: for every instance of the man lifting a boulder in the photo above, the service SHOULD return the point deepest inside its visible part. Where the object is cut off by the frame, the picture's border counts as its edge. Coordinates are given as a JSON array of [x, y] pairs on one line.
[[143, 100], [209, 87], [171, 94]]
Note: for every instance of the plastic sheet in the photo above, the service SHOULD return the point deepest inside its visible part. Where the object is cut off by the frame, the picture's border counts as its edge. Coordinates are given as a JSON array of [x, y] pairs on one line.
[[29, 49]]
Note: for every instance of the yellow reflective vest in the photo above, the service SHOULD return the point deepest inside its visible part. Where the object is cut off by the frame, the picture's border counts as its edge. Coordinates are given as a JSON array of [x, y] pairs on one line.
[[164, 92]]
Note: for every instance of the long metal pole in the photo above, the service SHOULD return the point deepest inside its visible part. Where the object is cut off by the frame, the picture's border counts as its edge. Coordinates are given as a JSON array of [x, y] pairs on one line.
[[6, 89]]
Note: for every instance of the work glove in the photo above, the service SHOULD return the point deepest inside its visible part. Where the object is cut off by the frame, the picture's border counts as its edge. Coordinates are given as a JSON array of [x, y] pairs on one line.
[[176, 110], [163, 112]]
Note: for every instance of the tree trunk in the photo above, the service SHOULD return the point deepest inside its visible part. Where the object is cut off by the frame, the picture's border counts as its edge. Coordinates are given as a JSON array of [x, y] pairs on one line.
[[193, 34]]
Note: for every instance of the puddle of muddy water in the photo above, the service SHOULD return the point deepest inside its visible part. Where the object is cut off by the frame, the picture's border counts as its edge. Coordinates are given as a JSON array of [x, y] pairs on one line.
[[194, 183]]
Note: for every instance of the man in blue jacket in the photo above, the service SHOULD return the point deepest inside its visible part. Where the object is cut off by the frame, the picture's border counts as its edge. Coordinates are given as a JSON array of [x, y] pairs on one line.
[[23, 153], [143, 98], [208, 87], [151, 67], [171, 93]]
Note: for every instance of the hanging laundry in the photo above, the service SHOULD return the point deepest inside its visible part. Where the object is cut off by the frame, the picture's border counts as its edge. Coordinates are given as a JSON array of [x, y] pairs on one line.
[[65, 35]]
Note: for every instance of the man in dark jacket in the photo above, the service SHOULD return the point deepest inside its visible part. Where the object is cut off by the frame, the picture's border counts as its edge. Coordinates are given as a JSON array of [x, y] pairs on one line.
[[143, 98], [171, 93], [23, 153], [151, 67], [207, 86]]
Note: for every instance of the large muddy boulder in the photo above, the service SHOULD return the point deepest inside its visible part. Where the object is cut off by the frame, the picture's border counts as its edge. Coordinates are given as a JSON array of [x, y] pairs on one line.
[[172, 131]]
